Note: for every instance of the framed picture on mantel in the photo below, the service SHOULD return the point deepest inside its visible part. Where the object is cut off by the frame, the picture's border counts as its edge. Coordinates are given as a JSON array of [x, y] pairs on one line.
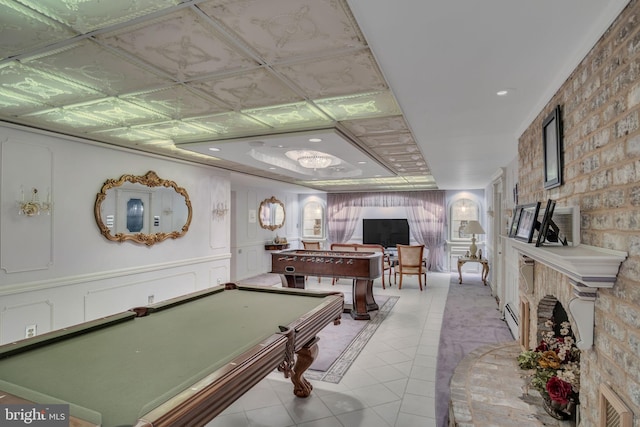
[[552, 145], [528, 221]]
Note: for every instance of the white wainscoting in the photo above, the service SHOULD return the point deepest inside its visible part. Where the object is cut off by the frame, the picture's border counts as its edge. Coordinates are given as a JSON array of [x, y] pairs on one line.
[[64, 302]]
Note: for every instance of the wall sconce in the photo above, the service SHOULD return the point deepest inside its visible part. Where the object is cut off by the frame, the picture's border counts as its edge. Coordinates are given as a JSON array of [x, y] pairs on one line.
[[34, 206], [220, 210]]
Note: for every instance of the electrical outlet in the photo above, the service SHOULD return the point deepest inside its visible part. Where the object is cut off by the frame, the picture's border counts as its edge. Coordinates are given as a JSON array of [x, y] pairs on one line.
[[31, 331], [150, 299], [219, 281]]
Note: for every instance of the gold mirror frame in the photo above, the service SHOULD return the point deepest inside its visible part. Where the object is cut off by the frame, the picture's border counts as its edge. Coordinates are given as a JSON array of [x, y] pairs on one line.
[[266, 203], [150, 179]]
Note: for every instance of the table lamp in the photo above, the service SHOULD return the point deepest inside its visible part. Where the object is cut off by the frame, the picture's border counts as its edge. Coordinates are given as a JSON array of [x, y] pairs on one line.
[[473, 228]]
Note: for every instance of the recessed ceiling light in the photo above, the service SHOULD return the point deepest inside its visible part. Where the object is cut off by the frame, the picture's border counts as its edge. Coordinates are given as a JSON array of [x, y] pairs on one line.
[[502, 92], [214, 149], [272, 168], [315, 140], [361, 162]]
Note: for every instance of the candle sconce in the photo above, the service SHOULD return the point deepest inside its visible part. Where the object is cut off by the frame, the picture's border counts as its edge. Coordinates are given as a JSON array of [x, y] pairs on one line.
[[34, 206], [220, 210]]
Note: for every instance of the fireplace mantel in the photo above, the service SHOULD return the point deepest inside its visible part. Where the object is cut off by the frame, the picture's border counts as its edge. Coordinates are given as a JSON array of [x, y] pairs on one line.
[[588, 269], [587, 265]]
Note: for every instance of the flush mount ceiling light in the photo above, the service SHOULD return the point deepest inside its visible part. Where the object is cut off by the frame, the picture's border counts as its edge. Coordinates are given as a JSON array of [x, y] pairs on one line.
[[312, 159]]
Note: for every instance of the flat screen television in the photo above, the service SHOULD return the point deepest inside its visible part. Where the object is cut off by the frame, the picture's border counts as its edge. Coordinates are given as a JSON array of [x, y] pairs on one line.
[[385, 232]]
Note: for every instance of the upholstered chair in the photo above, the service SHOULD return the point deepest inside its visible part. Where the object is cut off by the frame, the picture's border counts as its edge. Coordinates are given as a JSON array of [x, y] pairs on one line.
[[411, 263]]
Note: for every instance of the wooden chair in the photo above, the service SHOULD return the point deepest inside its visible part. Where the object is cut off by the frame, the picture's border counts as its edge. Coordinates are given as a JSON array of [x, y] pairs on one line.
[[312, 246], [342, 247], [385, 260], [410, 262]]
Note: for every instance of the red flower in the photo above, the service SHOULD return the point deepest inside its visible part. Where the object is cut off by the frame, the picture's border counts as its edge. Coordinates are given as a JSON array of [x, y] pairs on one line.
[[542, 347], [559, 390]]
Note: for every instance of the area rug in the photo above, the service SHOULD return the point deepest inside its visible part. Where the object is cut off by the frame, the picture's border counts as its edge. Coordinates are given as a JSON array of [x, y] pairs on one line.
[[471, 319], [339, 345]]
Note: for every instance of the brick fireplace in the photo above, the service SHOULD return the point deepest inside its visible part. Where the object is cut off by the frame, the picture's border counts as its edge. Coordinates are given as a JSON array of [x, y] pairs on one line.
[[562, 284]]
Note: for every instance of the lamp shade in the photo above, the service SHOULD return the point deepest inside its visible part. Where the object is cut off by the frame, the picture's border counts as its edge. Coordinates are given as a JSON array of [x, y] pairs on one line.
[[474, 227]]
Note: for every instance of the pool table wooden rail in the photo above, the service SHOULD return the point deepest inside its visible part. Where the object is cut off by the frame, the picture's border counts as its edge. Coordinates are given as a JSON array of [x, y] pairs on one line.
[[206, 398]]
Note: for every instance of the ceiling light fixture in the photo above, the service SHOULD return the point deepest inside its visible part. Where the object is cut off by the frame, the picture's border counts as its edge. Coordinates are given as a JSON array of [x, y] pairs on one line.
[[312, 159], [502, 92], [315, 140]]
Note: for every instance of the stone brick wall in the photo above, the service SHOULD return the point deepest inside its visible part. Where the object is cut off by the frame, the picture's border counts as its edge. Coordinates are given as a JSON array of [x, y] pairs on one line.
[[600, 105]]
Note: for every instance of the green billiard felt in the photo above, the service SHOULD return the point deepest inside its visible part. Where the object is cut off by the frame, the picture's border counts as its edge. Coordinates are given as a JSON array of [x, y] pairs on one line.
[[139, 363]]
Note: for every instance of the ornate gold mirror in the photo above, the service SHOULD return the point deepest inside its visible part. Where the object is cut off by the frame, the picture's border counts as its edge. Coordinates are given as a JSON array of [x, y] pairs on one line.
[[271, 214], [143, 209]]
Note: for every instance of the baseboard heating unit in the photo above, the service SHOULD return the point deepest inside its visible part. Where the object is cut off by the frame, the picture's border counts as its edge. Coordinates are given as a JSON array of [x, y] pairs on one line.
[[511, 317]]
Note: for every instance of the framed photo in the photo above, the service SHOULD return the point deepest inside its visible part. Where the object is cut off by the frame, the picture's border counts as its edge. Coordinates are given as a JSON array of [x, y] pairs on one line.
[[513, 228], [546, 222], [549, 231], [527, 222], [552, 144]]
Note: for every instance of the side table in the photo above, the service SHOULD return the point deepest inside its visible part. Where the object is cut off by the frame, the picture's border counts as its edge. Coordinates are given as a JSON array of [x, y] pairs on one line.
[[485, 267]]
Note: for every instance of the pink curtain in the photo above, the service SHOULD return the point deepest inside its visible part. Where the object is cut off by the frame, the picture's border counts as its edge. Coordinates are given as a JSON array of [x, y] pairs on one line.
[[428, 222], [426, 214], [343, 215]]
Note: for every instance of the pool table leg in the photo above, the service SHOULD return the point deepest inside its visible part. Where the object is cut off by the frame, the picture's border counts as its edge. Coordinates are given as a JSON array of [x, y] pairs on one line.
[[306, 355]]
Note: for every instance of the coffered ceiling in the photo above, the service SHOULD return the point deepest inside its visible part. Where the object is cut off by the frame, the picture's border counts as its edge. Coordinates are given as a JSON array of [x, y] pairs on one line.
[[255, 79]]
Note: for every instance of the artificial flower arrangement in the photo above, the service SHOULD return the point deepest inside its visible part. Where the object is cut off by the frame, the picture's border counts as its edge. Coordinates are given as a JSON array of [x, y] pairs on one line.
[[556, 361]]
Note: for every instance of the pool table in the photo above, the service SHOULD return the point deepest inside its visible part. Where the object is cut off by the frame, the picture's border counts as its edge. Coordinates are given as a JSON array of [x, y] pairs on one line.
[[176, 363]]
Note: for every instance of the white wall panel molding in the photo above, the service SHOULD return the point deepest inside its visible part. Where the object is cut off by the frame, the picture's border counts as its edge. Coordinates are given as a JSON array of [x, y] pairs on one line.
[[106, 275], [136, 293], [27, 241], [14, 319]]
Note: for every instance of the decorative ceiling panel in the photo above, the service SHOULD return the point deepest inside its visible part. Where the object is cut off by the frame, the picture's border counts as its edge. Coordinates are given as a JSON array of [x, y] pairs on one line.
[[15, 105], [23, 29], [281, 29], [402, 139], [253, 89], [161, 75], [230, 125], [91, 65], [290, 116], [67, 121], [127, 134], [355, 72], [46, 88], [377, 126], [177, 102], [182, 44], [118, 112], [85, 15], [377, 104], [177, 129]]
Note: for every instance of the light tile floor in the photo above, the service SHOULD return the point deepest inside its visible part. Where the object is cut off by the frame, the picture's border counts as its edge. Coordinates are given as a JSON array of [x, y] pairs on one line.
[[391, 383]]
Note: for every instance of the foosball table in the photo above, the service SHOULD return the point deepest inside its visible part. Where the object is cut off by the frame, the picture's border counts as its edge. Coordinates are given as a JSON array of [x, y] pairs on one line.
[[362, 267]]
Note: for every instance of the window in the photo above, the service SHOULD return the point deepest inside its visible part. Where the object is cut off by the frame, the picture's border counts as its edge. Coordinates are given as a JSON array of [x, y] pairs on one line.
[[462, 211], [313, 220]]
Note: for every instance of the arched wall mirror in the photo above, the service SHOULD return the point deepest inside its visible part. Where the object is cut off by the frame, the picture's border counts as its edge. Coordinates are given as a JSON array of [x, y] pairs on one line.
[[313, 220], [144, 209], [463, 211], [271, 214]]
